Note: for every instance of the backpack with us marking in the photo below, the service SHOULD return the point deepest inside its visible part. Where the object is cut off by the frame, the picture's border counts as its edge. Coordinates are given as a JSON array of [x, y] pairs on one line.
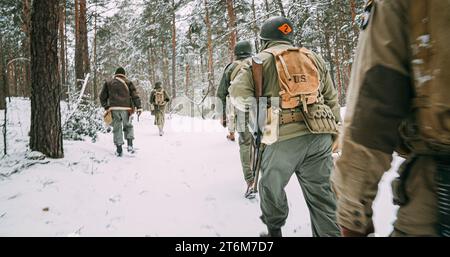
[[160, 98]]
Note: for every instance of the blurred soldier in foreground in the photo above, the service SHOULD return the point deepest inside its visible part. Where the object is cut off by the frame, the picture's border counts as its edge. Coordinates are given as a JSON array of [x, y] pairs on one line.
[[399, 100]]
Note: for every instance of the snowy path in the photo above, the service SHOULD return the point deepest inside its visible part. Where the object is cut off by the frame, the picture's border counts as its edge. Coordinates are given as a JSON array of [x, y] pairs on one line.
[[182, 184]]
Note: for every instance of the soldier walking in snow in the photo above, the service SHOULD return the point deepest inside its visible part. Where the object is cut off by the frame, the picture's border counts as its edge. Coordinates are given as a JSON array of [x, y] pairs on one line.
[[230, 116], [158, 101], [119, 97], [296, 126]]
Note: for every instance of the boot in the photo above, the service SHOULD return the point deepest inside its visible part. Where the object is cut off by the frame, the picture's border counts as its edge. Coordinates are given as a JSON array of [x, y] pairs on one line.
[[231, 137], [250, 193], [130, 148], [161, 132], [272, 233], [119, 151]]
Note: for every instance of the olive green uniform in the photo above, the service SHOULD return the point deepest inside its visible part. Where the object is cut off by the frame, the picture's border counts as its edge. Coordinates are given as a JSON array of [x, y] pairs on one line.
[[122, 126], [159, 110], [237, 120], [296, 151], [379, 99]]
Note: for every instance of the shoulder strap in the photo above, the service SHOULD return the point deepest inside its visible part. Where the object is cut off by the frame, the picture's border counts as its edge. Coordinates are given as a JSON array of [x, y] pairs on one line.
[[239, 65], [123, 83]]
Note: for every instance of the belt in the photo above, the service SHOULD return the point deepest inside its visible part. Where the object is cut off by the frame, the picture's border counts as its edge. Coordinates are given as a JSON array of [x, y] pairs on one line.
[[286, 118]]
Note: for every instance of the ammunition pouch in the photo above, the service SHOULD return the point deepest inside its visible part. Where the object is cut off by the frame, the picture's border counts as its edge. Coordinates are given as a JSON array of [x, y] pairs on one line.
[[320, 119], [291, 117]]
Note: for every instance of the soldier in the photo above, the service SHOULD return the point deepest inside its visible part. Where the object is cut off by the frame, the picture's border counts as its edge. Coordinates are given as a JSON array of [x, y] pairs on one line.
[[300, 120], [398, 100], [158, 101], [119, 96], [242, 51]]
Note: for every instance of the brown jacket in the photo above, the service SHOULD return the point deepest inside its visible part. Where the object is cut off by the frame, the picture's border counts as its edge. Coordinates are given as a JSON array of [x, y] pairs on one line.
[[116, 94]]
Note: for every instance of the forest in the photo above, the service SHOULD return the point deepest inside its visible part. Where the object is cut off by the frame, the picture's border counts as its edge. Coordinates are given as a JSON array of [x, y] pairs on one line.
[[186, 44], [61, 171]]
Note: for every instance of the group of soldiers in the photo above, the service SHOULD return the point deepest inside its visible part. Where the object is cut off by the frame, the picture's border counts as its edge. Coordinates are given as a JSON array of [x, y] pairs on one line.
[[284, 106], [120, 100], [398, 101]]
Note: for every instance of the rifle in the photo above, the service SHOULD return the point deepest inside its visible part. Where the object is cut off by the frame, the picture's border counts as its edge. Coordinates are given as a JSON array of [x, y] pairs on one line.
[[257, 71]]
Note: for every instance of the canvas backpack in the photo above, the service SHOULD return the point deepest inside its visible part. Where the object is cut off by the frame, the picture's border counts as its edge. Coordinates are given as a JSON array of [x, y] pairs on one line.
[[428, 129], [298, 77], [159, 97], [299, 81]]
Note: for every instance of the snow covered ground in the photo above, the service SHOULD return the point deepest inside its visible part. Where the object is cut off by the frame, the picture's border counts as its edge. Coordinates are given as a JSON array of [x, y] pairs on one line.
[[187, 183]]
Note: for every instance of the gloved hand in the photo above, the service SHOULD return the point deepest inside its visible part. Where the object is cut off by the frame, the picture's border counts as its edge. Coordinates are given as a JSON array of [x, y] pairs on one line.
[[336, 146]]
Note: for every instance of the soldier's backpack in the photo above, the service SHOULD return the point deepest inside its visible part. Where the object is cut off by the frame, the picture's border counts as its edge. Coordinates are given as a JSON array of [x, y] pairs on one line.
[[428, 131], [160, 98], [299, 81]]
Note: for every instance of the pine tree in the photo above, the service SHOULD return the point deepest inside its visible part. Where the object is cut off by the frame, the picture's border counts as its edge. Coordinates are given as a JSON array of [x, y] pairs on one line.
[[45, 131]]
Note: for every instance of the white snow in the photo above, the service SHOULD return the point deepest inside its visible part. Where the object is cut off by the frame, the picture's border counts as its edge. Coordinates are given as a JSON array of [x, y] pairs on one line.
[[187, 183]]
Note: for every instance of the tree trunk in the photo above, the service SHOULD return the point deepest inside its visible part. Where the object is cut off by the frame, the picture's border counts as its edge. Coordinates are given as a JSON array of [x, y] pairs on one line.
[[255, 27], [84, 42], [26, 26], [231, 29], [79, 69], [45, 130], [174, 51], [66, 55], [62, 47], [353, 10], [95, 58], [202, 68], [211, 86], [151, 66], [14, 77], [2, 77], [337, 46], [165, 60], [281, 8], [329, 56], [188, 70]]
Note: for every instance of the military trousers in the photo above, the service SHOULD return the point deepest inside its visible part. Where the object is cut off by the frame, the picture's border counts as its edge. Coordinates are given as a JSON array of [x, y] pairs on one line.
[[159, 119], [122, 126], [245, 148], [309, 157]]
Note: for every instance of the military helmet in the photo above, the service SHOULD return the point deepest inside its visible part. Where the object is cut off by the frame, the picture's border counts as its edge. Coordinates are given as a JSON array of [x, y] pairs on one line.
[[277, 28], [243, 48], [120, 70]]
